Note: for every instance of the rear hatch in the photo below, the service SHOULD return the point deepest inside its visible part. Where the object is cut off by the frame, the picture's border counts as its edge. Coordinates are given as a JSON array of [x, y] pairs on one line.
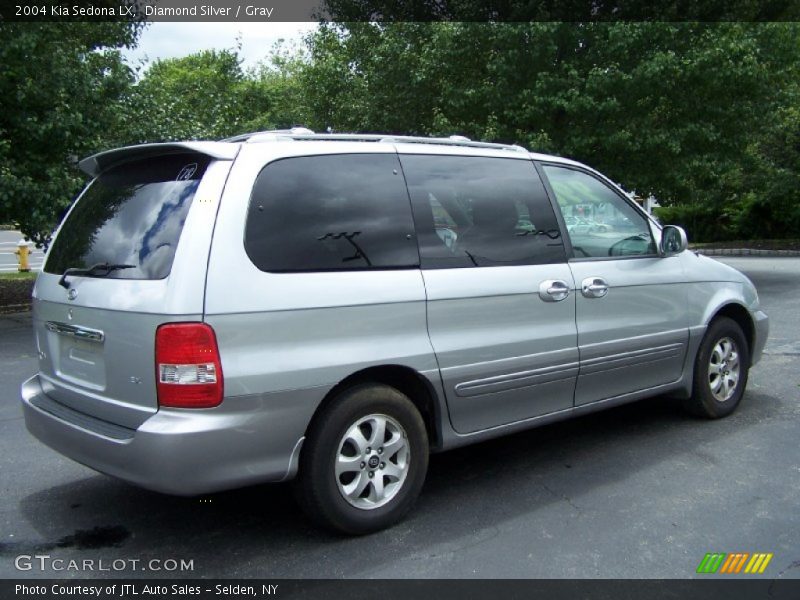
[[148, 217]]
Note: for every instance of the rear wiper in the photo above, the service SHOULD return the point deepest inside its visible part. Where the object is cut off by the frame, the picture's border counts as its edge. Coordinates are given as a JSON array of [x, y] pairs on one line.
[[98, 270]]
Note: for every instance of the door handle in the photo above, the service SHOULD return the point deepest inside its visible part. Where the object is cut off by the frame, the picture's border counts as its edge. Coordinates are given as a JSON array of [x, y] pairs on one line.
[[594, 287], [82, 333], [553, 290]]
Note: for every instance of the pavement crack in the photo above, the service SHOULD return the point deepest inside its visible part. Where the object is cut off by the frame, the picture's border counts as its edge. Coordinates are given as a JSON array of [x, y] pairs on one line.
[[563, 497], [793, 565], [495, 532]]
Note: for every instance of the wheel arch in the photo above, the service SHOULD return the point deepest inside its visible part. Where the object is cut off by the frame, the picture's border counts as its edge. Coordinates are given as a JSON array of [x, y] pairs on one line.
[[741, 316], [419, 389]]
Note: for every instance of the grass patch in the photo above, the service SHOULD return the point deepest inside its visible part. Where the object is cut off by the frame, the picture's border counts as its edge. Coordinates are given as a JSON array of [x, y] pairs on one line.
[[16, 275]]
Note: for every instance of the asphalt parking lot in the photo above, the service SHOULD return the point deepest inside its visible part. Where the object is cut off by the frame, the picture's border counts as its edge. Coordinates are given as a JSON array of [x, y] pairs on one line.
[[641, 491]]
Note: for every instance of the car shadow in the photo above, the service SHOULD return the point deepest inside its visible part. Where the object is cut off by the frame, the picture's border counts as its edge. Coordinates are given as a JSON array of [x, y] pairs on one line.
[[469, 493]]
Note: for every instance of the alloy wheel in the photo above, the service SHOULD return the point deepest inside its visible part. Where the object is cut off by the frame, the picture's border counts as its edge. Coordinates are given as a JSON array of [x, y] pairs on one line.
[[724, 369], [372, 461]]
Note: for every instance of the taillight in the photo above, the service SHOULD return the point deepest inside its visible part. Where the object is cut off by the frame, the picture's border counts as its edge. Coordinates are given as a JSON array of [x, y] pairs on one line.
[[188, 369]]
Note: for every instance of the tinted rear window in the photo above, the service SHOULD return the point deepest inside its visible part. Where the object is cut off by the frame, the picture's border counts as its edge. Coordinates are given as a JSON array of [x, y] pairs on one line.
[[131, 214], [326, 213]]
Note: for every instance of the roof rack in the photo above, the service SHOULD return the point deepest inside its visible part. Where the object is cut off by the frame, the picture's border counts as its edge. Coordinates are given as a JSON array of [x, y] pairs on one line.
[[301, 133], [284, 132]]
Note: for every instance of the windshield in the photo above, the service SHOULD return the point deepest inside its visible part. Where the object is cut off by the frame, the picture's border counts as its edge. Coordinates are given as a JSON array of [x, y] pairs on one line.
[[132, 214]]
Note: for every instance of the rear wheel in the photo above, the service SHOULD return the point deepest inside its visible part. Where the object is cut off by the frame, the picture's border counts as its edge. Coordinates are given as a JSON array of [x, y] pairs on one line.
[[720, 370], [364, 461]]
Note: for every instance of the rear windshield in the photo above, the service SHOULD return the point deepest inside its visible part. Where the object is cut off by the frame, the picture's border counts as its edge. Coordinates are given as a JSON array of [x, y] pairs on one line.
[[131, 214]]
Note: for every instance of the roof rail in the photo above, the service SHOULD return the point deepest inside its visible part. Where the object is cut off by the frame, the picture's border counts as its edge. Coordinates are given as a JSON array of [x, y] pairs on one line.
[[247, 136], [301, 133]]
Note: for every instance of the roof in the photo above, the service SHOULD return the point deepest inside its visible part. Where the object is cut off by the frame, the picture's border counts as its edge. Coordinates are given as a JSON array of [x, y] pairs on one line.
[[228, 148]]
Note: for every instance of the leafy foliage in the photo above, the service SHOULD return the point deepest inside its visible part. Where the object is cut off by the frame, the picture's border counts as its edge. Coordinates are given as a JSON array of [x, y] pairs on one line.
[[702, 115], [677, 110], [562, 10], [59, 93], [207, 95], [187, 98]]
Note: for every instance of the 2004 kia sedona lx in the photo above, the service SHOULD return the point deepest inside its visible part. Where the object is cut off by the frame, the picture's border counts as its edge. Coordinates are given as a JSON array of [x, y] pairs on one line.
[[332, 308]]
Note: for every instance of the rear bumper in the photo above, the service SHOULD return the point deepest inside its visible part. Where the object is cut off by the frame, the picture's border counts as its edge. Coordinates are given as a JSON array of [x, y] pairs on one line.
[[761, 326], [253, 439]]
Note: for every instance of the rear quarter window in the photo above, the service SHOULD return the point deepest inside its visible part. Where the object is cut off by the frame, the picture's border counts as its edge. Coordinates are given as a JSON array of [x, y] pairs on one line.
[[131, 214], [331, 213]]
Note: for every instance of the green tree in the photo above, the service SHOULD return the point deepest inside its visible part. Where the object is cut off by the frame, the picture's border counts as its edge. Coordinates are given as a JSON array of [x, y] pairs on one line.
[[275, 91], [194, 97], [59, 87], [207, 95], [672, 109], [770, 208], [66, 92]]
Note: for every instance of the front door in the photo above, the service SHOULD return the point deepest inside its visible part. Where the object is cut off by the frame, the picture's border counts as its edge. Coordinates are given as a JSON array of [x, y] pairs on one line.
[[631, 304], [501, 307]]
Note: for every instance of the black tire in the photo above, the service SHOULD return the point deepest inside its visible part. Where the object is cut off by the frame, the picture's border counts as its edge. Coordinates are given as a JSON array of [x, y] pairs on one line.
[[317, 486], [703, 402]]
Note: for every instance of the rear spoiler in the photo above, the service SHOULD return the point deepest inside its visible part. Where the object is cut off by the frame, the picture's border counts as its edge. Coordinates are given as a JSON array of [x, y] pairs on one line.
[[96, 164]]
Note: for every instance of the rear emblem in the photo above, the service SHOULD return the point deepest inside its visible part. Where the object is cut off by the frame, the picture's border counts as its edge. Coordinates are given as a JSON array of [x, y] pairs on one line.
[[186, 172], [72, 293]]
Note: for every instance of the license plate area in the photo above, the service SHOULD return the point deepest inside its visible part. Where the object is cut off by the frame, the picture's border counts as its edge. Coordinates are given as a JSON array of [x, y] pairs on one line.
[[79, 355]]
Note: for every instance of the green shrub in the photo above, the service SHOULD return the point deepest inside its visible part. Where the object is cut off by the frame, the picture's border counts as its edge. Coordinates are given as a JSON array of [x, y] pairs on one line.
[[701, 222]]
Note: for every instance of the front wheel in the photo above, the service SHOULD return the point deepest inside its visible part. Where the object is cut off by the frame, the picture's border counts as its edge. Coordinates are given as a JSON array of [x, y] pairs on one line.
[[364, 461], [720, 370]]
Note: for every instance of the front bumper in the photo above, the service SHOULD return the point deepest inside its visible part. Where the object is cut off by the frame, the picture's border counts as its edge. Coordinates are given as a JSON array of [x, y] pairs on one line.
[[761, 327], [180, 452]]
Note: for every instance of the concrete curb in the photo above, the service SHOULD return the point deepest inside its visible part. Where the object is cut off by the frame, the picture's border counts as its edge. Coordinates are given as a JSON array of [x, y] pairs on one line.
[[12, 309], [744, 252]]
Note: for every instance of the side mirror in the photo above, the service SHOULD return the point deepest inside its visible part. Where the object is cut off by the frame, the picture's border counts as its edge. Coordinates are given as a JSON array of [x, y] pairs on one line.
[[673, 240]]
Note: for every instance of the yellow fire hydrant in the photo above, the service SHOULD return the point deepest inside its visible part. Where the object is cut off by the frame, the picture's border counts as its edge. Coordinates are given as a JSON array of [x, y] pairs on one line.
[[23, 251]]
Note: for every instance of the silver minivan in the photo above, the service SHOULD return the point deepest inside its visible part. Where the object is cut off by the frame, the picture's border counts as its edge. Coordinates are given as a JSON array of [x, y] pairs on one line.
[[332, 308]]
